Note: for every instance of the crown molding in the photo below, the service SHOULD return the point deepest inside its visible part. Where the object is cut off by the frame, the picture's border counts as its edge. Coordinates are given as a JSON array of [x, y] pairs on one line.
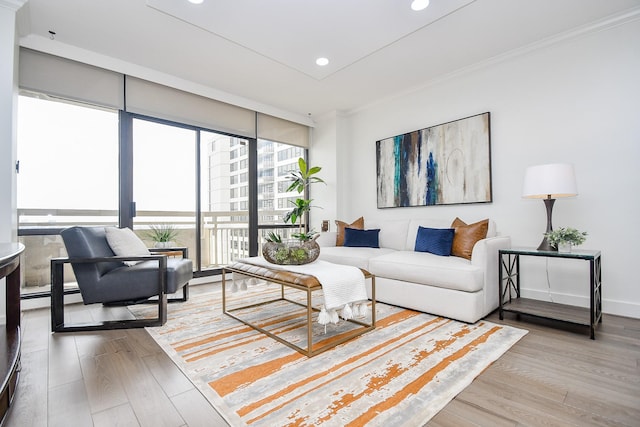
[[12, 4], [607, 23]]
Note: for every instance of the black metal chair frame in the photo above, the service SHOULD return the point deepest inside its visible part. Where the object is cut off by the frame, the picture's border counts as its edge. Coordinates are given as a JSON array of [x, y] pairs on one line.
[[57, 295]]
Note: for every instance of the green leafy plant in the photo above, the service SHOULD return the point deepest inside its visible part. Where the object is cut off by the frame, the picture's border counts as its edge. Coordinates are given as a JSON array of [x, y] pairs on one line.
[[300, 181], [301, 206], [566, 235], [273, 237], [286, 255], [301, 248], [303, 177], [305, 237], [162, 233]]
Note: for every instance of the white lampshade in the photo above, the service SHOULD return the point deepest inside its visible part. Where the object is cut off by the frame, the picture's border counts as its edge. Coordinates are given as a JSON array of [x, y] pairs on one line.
[[550, 181]]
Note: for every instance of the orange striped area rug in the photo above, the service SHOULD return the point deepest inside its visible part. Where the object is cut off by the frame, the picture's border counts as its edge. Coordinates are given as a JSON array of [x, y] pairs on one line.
[[400, 374]]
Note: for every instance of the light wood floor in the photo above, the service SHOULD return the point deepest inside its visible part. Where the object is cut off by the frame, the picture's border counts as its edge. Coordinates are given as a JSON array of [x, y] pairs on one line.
[[552, 377]]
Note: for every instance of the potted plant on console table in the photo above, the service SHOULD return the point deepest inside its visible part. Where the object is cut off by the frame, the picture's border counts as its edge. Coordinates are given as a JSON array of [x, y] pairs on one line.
[[163, 236], [303, 248], [564, 238]]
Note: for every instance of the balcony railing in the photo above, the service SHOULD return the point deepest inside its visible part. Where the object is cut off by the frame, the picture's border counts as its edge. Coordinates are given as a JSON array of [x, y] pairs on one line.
[[224, 236]]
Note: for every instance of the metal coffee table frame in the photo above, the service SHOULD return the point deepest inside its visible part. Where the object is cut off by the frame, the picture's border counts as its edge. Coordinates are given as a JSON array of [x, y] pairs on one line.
[[310, 349]]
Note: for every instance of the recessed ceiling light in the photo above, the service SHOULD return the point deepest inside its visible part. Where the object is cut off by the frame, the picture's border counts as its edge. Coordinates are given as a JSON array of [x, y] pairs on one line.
[[419, 4], [196, 1], [322, 61]]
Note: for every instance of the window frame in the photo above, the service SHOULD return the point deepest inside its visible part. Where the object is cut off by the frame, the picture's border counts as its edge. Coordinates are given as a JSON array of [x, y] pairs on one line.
[[126, 203]]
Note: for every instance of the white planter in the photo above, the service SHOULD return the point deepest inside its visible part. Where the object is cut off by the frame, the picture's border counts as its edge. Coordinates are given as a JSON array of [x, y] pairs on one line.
[[564, 247], [164, 245]]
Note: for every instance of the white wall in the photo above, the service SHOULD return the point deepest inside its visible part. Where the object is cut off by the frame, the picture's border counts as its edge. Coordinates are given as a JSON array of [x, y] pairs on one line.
[[324, 196], [8, 101], [329, 151], [576, 100]]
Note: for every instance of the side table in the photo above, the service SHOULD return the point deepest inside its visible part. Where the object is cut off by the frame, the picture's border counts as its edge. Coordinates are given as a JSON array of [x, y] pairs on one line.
[[509, 289], [182, 251]]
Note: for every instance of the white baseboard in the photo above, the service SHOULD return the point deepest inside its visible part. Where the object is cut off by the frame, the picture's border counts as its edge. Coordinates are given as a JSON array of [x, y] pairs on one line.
[[618, 308], [35, 303]]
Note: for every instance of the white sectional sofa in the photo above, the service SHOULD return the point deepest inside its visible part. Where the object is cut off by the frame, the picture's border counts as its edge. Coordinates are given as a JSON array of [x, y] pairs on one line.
[[448, 286]]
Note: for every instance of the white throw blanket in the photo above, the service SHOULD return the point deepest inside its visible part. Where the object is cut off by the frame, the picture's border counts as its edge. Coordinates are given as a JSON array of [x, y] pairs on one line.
[[343, 286]]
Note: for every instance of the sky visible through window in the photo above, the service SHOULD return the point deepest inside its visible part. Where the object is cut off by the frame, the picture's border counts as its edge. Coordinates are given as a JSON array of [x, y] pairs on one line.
[[68, 156], [163, 167], [69, 159]]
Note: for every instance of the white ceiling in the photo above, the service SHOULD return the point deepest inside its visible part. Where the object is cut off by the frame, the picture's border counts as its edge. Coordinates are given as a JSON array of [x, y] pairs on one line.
[[295, 33], [263, 51]]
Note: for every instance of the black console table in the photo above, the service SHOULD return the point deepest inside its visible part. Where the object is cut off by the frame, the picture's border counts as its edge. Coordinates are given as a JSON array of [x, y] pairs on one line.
[[509, 288], [10, 335]]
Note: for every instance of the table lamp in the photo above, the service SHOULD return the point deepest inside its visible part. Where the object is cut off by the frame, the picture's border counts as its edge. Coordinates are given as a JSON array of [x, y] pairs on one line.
[[549, 182]]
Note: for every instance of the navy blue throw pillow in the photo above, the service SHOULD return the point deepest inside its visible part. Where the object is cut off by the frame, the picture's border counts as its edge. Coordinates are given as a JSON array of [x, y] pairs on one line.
[[437, 241], [361, 238]]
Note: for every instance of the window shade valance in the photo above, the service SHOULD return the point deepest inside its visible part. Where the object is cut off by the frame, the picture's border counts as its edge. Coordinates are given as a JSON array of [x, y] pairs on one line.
[[68, 79], [280, 130], [64, 78], [152, 99]]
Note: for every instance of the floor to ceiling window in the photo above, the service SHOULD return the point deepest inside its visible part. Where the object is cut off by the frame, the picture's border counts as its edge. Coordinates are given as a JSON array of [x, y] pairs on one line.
[[194, 181], [164, 177], [68, 175]]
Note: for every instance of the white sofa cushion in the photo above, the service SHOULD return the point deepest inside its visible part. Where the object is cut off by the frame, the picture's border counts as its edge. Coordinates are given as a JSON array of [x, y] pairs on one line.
[[327, 238], [492, 230], [392, 232], [428, 269], [357, 257]]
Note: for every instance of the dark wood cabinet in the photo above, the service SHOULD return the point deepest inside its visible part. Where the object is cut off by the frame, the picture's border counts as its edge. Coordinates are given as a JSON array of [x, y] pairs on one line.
[[10, 338]]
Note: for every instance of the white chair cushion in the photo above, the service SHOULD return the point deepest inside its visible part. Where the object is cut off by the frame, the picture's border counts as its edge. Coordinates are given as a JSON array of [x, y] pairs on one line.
[[124, 242]]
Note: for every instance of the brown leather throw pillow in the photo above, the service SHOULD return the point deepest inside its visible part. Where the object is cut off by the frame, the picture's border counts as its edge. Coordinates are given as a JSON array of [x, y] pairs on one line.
[[341, 225], [466, 236]]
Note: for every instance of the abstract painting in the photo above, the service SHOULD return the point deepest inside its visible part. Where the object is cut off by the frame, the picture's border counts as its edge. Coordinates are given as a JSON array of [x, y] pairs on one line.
[[439, 165]]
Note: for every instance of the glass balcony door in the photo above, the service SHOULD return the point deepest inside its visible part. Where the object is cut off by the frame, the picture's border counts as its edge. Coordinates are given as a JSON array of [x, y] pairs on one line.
[[224, 199], [164, 178], [193, 184]]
